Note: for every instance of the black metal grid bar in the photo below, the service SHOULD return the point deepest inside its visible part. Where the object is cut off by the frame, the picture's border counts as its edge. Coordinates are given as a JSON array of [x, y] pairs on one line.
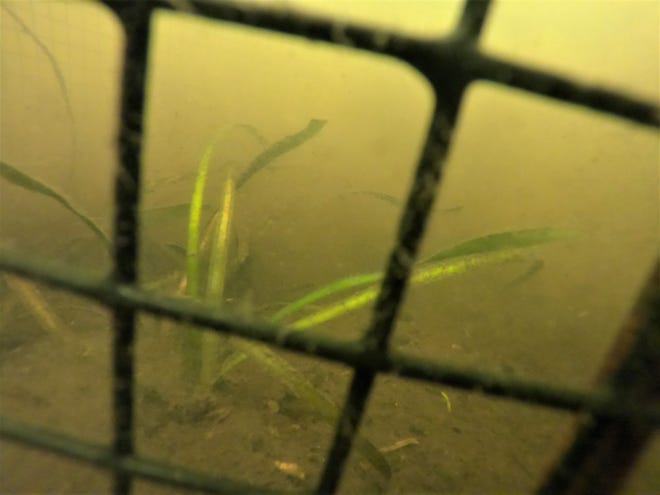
[[411, 228], [134, 17], [454, 57], [127, 465], [450, 65], [604, 450], [376, 340], [349, 352], [471, 22]]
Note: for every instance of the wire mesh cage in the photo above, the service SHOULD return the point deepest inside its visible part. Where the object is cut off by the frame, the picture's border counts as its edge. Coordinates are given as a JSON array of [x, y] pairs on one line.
[[362, 380]]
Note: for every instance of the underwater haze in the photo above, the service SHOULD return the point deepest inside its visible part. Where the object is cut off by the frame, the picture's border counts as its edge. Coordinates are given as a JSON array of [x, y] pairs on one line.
[[307, 151]]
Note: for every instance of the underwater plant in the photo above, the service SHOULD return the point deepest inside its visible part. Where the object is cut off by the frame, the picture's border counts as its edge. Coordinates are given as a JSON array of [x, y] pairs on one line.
[[207, 356], [205, 263]]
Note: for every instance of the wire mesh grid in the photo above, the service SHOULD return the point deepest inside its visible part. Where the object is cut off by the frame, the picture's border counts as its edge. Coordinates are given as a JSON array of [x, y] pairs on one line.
[[450, 65]]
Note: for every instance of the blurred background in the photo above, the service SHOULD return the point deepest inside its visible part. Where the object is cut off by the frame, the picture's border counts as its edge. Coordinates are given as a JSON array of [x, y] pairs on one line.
[[330, 208]]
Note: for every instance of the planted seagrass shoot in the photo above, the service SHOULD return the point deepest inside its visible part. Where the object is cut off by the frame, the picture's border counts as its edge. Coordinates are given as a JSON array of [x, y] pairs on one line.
[[215, 250], [356, 291], [209, 246], [202, 350]]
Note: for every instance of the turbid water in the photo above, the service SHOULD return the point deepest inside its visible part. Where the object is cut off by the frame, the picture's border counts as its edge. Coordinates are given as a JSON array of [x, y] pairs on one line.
[[328, 210]]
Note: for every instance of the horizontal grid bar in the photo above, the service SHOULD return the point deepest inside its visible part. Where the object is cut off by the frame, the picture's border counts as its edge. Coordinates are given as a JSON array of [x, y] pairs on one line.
[[455, 56], [103, 456], [347, 352]]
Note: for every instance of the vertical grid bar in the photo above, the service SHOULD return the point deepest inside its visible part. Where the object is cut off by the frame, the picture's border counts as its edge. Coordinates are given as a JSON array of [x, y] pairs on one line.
[[604, 451], [411, 227], [472, 20], [396, 278], [135, 20]]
